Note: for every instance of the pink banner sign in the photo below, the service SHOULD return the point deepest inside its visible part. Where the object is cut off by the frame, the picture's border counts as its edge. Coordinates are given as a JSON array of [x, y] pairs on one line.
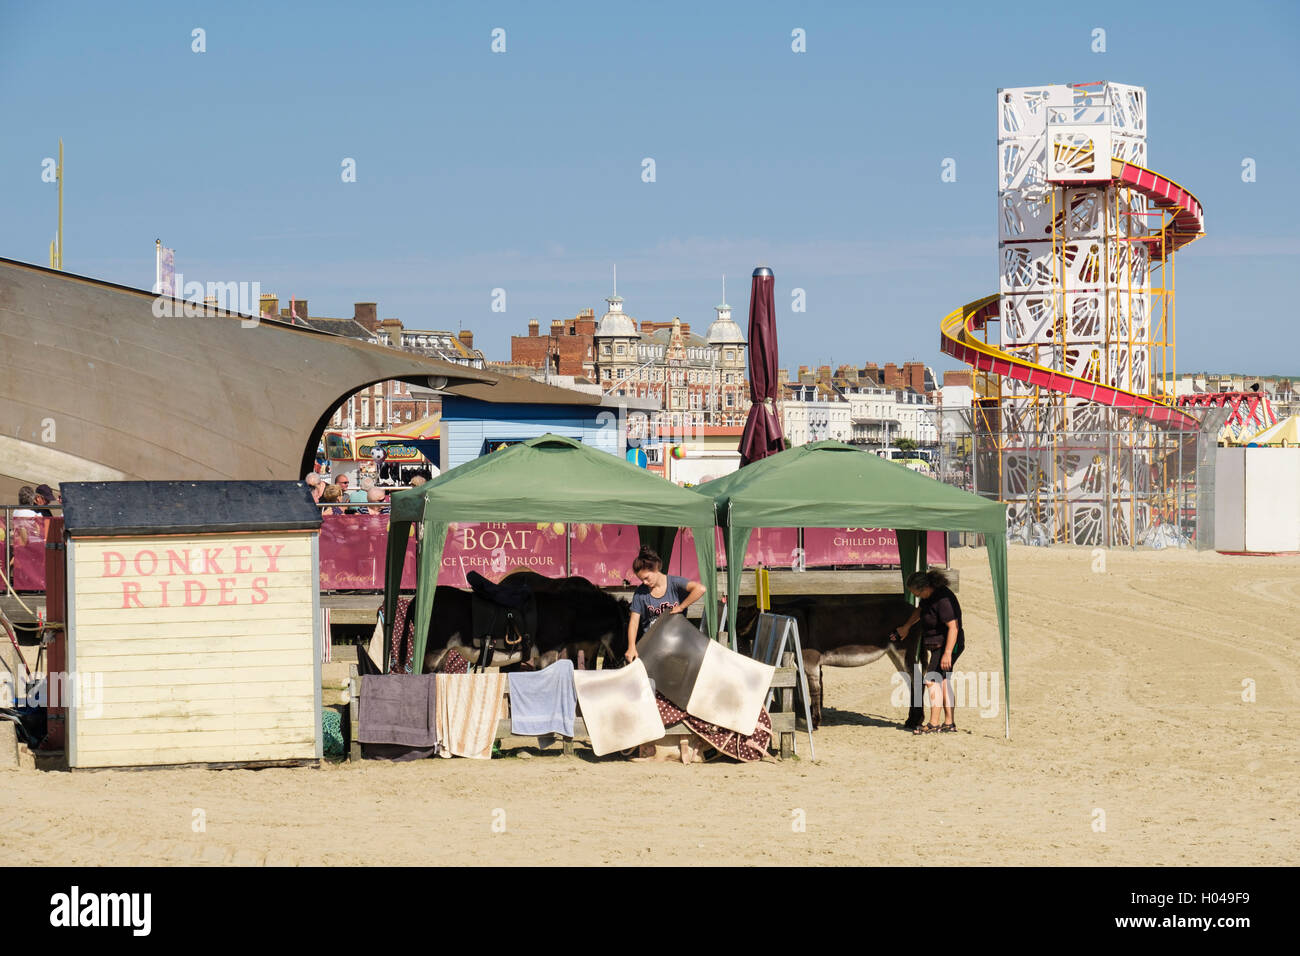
[[354, 551], [603, 553], [770, 547], [26, 570], [685, 563], [495, 550], [855, 547]]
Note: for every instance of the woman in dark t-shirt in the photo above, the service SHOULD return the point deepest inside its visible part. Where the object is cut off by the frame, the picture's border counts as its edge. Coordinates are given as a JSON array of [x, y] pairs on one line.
[[658, 594], [942, 641]]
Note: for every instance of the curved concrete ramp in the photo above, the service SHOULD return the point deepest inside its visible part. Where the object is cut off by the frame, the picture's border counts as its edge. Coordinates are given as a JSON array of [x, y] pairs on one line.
[[95, 386]]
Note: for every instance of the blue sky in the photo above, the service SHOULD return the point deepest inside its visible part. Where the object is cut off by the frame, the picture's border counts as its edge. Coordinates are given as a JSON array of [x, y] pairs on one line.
[[522, 170]]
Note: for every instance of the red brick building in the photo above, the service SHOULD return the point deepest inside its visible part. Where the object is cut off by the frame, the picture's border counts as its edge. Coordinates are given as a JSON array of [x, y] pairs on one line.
[[567, 345]]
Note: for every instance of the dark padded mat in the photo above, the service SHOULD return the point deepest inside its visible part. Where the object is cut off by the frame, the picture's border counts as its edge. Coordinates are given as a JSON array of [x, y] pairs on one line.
[[673, 652]]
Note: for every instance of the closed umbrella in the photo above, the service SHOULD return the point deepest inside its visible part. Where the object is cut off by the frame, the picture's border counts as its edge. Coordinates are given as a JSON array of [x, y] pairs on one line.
[[762, 435]]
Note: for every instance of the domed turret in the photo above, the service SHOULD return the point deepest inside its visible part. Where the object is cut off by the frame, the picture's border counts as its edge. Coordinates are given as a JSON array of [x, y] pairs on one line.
[[724, 331], [615, 322]]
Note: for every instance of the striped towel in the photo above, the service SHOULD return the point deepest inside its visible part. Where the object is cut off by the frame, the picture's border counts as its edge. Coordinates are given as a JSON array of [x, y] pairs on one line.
[[326, 639], [469, 706]]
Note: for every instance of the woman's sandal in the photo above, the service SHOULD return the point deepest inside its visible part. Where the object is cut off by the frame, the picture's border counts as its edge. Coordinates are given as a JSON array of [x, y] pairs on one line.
[[948, 728], [925, 729]]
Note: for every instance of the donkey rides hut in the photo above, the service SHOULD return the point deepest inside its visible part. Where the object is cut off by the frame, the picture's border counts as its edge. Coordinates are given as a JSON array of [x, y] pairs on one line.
[[829, 484], [550, 479]]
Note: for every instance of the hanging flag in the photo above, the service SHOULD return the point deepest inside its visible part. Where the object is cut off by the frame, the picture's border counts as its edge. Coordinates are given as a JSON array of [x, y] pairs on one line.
[[165, 270]]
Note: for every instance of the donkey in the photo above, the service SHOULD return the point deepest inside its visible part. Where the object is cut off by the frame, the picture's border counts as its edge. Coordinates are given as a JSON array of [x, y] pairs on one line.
[[833, 637], [573, 615]]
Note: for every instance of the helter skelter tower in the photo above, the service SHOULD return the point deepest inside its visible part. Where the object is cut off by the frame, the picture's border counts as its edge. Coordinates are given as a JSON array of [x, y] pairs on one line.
[[1075, 404]]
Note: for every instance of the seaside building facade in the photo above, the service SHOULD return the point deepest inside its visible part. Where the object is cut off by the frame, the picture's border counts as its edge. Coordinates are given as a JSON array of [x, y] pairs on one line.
[[872, 406], [695, 380]]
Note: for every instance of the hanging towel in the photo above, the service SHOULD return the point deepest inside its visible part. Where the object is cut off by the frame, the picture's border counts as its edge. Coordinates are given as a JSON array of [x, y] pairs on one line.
[[399, 710], [469, 708], [376, 647], [543, 702], [618, 707], [401, 650]]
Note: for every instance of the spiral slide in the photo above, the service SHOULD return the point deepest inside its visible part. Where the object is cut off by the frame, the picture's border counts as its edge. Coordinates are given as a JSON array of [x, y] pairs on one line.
[[1186, 223]]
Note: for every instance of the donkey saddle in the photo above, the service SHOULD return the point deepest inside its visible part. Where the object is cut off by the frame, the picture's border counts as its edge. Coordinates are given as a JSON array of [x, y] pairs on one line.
[[503, 618]]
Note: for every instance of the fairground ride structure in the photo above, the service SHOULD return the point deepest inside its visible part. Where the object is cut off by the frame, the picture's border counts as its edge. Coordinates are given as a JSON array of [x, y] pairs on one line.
[[1074, 413]]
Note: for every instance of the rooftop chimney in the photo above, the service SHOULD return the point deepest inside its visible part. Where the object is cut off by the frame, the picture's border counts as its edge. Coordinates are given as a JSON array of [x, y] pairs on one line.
[[391, 329], [533, 326], [467, 339], [366, 314]]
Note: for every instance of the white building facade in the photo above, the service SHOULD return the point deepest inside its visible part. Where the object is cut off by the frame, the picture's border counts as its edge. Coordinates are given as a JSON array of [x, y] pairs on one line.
[[809, 417], [881, 416]]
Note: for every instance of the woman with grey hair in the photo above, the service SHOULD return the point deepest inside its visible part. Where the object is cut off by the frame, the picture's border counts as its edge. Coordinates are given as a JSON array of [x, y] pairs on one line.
[[942, 641]]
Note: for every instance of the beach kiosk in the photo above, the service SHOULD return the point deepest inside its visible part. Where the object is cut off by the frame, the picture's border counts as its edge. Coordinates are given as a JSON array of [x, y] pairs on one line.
[[193, 625]]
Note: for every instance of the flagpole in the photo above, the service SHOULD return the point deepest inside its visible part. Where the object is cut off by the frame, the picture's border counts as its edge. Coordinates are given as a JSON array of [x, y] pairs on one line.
[[60, 249]]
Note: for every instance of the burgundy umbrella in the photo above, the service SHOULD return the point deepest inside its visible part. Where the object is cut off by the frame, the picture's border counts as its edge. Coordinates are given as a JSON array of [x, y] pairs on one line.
[[762, 436]]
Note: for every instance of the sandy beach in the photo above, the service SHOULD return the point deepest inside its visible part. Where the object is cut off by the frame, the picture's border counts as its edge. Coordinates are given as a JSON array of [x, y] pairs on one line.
[[1131, 744]]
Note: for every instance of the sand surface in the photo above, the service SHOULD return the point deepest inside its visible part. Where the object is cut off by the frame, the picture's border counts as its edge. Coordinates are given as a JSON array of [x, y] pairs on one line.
[[1131, 744]]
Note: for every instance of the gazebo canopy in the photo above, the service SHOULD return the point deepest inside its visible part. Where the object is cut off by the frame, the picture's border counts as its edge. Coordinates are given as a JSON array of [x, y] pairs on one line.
[[550, 478], [829, 484]]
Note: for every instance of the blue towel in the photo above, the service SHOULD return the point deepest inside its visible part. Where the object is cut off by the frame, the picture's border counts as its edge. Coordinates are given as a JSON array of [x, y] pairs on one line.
[[543, 702]]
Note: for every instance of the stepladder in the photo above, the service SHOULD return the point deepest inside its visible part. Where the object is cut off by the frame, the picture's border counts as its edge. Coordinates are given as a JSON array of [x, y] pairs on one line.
[[775, 636]]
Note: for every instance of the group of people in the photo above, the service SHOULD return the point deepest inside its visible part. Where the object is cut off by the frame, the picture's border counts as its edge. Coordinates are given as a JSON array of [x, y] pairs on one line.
[[34, 502], [339, 498]]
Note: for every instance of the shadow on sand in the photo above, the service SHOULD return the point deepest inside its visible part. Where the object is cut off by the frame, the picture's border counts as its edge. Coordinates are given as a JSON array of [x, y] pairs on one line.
[[833, 717]]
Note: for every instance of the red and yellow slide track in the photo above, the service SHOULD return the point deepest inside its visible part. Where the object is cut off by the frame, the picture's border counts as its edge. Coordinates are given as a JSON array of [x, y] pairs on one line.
[[1184, 224]]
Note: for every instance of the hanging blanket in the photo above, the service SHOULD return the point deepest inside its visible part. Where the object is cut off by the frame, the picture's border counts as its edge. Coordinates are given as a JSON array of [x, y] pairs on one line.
[[401, 648], [453, 663], [618, 708], [543, 702], [737, 746], [469, 708]]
